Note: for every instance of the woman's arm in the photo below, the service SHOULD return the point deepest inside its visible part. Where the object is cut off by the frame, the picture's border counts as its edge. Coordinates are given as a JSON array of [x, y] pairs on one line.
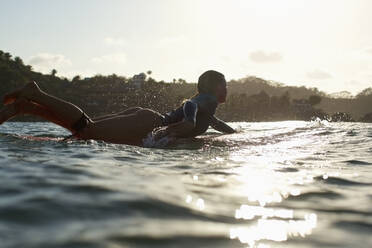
[[178, 129], [182, 128], [221, 126]]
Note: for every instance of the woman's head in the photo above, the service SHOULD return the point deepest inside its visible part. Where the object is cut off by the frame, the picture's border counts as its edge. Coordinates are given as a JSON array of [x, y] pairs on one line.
[[214, 83]]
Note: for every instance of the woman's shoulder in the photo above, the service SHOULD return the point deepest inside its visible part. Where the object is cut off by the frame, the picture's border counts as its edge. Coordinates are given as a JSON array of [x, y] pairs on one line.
[[204, 98], [205, 102]]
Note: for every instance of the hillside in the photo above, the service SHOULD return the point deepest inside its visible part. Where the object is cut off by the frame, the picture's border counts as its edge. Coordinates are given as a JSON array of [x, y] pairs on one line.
[[249, 99]]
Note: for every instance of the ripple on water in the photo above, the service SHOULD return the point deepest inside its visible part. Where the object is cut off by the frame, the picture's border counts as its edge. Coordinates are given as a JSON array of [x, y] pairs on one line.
[[181, 167], [88, 189], [316, 194], [182, 241], [125, 158], [354, 226], [84, 194], [287, 169], [82, 156], [357, 162], [339, 181]]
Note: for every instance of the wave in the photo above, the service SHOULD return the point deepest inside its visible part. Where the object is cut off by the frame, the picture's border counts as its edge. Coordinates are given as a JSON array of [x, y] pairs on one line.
[[186, 241], [357, 162], [354, 226], [340, 181], [317, 194]]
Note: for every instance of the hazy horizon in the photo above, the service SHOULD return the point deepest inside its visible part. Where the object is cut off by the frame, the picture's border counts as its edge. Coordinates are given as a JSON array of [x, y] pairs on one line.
[[323, 44]]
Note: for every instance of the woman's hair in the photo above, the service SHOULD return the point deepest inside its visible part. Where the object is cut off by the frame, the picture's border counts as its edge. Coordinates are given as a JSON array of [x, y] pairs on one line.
[[209, 80]]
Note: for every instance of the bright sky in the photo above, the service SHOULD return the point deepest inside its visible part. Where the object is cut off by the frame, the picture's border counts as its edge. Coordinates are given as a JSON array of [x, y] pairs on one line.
[[316, 43]]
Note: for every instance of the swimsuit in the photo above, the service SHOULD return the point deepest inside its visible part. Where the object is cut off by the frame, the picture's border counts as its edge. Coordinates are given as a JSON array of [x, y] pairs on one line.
[[199, 110], [79, 125]]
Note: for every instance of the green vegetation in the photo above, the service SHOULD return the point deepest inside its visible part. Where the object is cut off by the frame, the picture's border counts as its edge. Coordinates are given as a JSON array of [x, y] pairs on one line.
[[249, 99]]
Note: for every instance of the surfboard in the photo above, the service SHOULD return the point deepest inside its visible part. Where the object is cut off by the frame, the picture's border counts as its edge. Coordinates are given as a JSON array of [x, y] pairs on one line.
[[37, 138]]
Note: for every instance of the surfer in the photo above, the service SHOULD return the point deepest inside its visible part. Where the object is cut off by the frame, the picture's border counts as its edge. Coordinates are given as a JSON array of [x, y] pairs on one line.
[[131, 126]]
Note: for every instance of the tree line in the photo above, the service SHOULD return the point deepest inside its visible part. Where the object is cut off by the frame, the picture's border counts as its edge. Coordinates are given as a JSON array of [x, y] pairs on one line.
[[249, 99]]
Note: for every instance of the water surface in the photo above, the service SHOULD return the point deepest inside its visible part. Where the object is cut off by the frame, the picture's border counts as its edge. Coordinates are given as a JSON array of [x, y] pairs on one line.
[[273, 184]]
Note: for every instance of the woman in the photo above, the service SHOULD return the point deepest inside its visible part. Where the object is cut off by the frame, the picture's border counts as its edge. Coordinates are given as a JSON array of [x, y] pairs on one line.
[[131, 126]]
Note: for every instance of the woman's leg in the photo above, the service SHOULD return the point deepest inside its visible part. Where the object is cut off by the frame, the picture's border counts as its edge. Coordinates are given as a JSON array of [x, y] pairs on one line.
[[124, 129], [23, 106], [67, 112], [125, 112]]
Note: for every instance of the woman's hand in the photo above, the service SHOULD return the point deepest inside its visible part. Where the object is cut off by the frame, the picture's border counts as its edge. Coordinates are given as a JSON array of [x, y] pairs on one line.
[[179, 129], [159, 133]]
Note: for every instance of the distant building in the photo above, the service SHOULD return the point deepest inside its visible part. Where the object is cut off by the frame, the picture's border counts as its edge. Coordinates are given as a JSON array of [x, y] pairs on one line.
[[138, 80]]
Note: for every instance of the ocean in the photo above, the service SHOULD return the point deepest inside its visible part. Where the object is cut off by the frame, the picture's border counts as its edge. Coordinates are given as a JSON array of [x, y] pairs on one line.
[[272, 184]]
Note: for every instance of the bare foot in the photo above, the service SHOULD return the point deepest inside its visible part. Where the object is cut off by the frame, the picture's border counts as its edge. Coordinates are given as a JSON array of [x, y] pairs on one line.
[[28, 91]]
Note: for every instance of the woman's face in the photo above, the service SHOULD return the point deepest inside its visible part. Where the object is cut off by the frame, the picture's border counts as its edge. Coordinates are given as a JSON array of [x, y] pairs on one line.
[[221, 92]]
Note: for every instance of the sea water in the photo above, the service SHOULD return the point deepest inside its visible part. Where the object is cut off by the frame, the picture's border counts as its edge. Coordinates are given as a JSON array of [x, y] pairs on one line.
[[272, 184]]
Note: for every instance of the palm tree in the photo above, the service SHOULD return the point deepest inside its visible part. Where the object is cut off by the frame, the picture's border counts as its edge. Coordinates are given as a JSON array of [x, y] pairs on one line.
[[18, 61], [53, 72]]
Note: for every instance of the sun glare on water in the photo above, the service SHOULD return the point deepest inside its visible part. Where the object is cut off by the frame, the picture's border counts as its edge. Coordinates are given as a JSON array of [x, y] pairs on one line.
[[258, 181]]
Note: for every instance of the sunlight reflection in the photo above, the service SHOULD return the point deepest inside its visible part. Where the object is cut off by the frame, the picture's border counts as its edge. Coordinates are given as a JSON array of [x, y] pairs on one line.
[[249, 212], [200, 204], [260, 178], [264, 199], [188, 199], [274, 230]]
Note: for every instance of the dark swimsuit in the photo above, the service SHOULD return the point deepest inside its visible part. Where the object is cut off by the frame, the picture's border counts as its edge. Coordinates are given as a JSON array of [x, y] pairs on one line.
[[199, 110], [78, 126]]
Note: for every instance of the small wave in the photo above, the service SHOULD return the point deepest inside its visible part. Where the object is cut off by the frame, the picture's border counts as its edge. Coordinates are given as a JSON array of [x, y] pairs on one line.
[[125, 158], [223, 173], [88, 189], [355, 226], [324, 133], [6, 191], [317, 194], [352, 133], [336, 210], [81, 155], [357, 162], [340, 181], [287, 169], [181, 241]]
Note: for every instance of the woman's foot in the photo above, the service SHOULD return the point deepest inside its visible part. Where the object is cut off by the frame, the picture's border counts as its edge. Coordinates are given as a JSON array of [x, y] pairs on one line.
[[29, 91]]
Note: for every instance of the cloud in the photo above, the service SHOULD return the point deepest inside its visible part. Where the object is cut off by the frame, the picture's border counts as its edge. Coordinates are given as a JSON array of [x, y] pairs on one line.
[[111, 41], [318, 75], [117, 58], [265, 57], [49, 60], [45, 62]]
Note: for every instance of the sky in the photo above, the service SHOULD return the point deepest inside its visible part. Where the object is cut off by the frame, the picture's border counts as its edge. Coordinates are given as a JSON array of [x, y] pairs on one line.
[[316, 43]]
